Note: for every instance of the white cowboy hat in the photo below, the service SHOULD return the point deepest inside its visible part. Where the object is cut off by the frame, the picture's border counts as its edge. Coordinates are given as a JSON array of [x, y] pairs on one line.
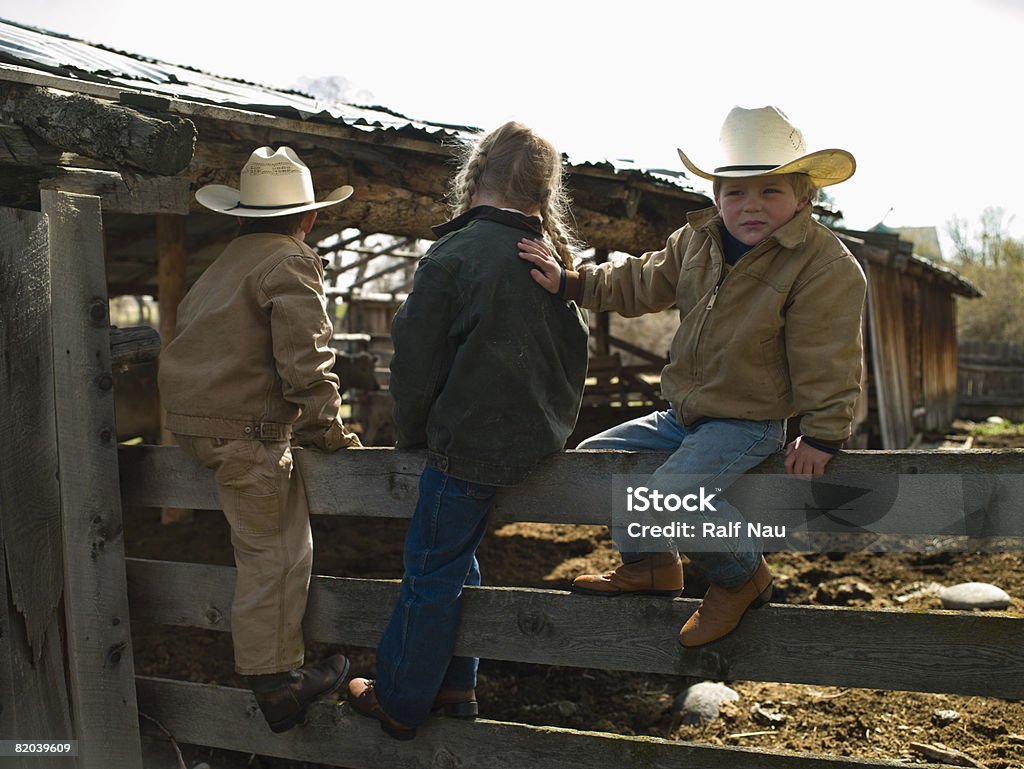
[[271, 184], [757, 142]]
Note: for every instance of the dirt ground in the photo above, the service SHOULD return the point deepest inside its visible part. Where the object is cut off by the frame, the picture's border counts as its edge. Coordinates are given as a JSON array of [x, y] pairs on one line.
[[867, 724]]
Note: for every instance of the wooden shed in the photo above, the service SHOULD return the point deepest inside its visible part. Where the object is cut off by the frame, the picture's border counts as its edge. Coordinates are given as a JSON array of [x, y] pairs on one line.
[[910, 341], [143, 135]]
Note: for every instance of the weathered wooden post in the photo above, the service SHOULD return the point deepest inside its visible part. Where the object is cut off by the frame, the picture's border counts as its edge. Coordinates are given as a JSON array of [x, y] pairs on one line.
[[99, 652], [171, 263], [33, 696]]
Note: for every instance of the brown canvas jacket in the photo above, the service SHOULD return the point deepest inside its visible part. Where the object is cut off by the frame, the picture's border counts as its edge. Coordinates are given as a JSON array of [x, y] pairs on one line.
[[251, 347], [777, 335]]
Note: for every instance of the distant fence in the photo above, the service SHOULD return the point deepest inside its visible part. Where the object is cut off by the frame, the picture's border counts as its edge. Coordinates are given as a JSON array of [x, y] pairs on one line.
[[991, 380], [926, 651]]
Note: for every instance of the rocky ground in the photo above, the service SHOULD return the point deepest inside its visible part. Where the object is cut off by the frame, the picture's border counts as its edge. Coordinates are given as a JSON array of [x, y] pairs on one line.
[[867, 724]]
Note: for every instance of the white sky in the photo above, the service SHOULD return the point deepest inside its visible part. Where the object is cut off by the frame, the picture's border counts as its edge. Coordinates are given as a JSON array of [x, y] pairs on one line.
[[925, 93]]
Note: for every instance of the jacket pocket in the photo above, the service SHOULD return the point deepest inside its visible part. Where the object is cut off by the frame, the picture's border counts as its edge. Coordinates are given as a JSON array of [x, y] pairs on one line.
[[254, 514], [773, 360]]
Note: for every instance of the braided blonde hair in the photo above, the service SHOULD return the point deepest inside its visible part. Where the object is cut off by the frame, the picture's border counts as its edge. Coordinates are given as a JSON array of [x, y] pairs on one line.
[[517, 165]]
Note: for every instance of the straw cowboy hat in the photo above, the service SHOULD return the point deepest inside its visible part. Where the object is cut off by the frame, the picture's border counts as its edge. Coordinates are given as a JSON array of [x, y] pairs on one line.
[[756, 142], [271, 184]]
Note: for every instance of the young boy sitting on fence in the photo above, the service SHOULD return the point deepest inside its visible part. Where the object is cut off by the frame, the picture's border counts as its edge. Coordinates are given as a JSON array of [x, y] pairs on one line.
[[248, 374], [770, 306]]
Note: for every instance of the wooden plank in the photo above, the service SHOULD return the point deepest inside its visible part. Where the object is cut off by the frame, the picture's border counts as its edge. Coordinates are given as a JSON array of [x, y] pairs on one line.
[[336, 735], [29, 496], [33, 698], [133, 344], [156, 195], [101, 670], [933, 651], [577, 486]]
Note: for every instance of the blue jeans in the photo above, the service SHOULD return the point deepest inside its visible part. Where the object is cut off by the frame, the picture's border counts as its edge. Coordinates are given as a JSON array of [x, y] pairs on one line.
[[414, 657], [716, 450]]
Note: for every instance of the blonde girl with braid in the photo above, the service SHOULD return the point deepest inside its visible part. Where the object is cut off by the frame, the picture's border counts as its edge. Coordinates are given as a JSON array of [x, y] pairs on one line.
[[487, 377]]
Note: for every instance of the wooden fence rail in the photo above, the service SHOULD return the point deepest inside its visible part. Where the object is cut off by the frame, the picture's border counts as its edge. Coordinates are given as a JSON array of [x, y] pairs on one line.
[[571, 487], [931, 651], [829, 646], [228, 718]]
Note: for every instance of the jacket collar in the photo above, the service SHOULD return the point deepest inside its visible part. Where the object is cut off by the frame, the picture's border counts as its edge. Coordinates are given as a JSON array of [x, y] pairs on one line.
[[790, 235], [304, 248], [510, 218]]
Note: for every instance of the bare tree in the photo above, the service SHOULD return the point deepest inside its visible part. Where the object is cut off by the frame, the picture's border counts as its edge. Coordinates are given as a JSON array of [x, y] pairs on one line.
[[333, 89], [958, 231], [992, 246], [994, 261]]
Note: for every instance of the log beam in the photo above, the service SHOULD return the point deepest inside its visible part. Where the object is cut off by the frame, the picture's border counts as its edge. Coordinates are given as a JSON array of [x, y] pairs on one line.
[[125, 137], [401, 192]]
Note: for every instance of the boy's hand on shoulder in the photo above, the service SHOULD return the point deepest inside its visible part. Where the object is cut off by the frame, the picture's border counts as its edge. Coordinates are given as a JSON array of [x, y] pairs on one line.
[[548, 271], [803, 459]]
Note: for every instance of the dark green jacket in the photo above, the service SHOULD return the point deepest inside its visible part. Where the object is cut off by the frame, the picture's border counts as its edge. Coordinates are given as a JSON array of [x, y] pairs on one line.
[[489, 367]]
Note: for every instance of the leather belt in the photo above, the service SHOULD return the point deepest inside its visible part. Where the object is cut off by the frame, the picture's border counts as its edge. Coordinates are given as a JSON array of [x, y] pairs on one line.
[[214, 427]]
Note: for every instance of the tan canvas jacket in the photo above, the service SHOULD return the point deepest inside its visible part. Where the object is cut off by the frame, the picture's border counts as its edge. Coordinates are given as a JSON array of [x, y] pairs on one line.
[[777, 335], [251, 355]]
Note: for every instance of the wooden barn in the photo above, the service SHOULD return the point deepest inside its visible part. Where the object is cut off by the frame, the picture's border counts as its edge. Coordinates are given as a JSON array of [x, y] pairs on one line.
[[100, 155]]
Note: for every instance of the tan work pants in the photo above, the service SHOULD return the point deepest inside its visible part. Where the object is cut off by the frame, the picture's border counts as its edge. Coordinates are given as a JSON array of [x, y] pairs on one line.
[[263, 498]]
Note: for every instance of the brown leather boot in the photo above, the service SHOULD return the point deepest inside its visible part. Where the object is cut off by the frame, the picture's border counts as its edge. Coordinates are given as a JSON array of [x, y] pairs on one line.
[[457, 703], [721, 610], [659, 574], [284, 706], [364, 699]]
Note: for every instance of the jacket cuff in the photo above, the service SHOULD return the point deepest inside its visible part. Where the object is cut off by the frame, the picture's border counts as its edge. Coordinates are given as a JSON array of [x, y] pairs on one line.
[[573, 290], [336, 437], [829, 447]]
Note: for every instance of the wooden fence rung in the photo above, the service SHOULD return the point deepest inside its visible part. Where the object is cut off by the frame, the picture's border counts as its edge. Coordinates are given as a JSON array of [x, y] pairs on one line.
[[569, 487], [335, 735], [931, 651]]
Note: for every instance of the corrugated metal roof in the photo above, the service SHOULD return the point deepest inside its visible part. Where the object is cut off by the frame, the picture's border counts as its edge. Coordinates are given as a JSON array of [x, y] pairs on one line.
[[67, 57]]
